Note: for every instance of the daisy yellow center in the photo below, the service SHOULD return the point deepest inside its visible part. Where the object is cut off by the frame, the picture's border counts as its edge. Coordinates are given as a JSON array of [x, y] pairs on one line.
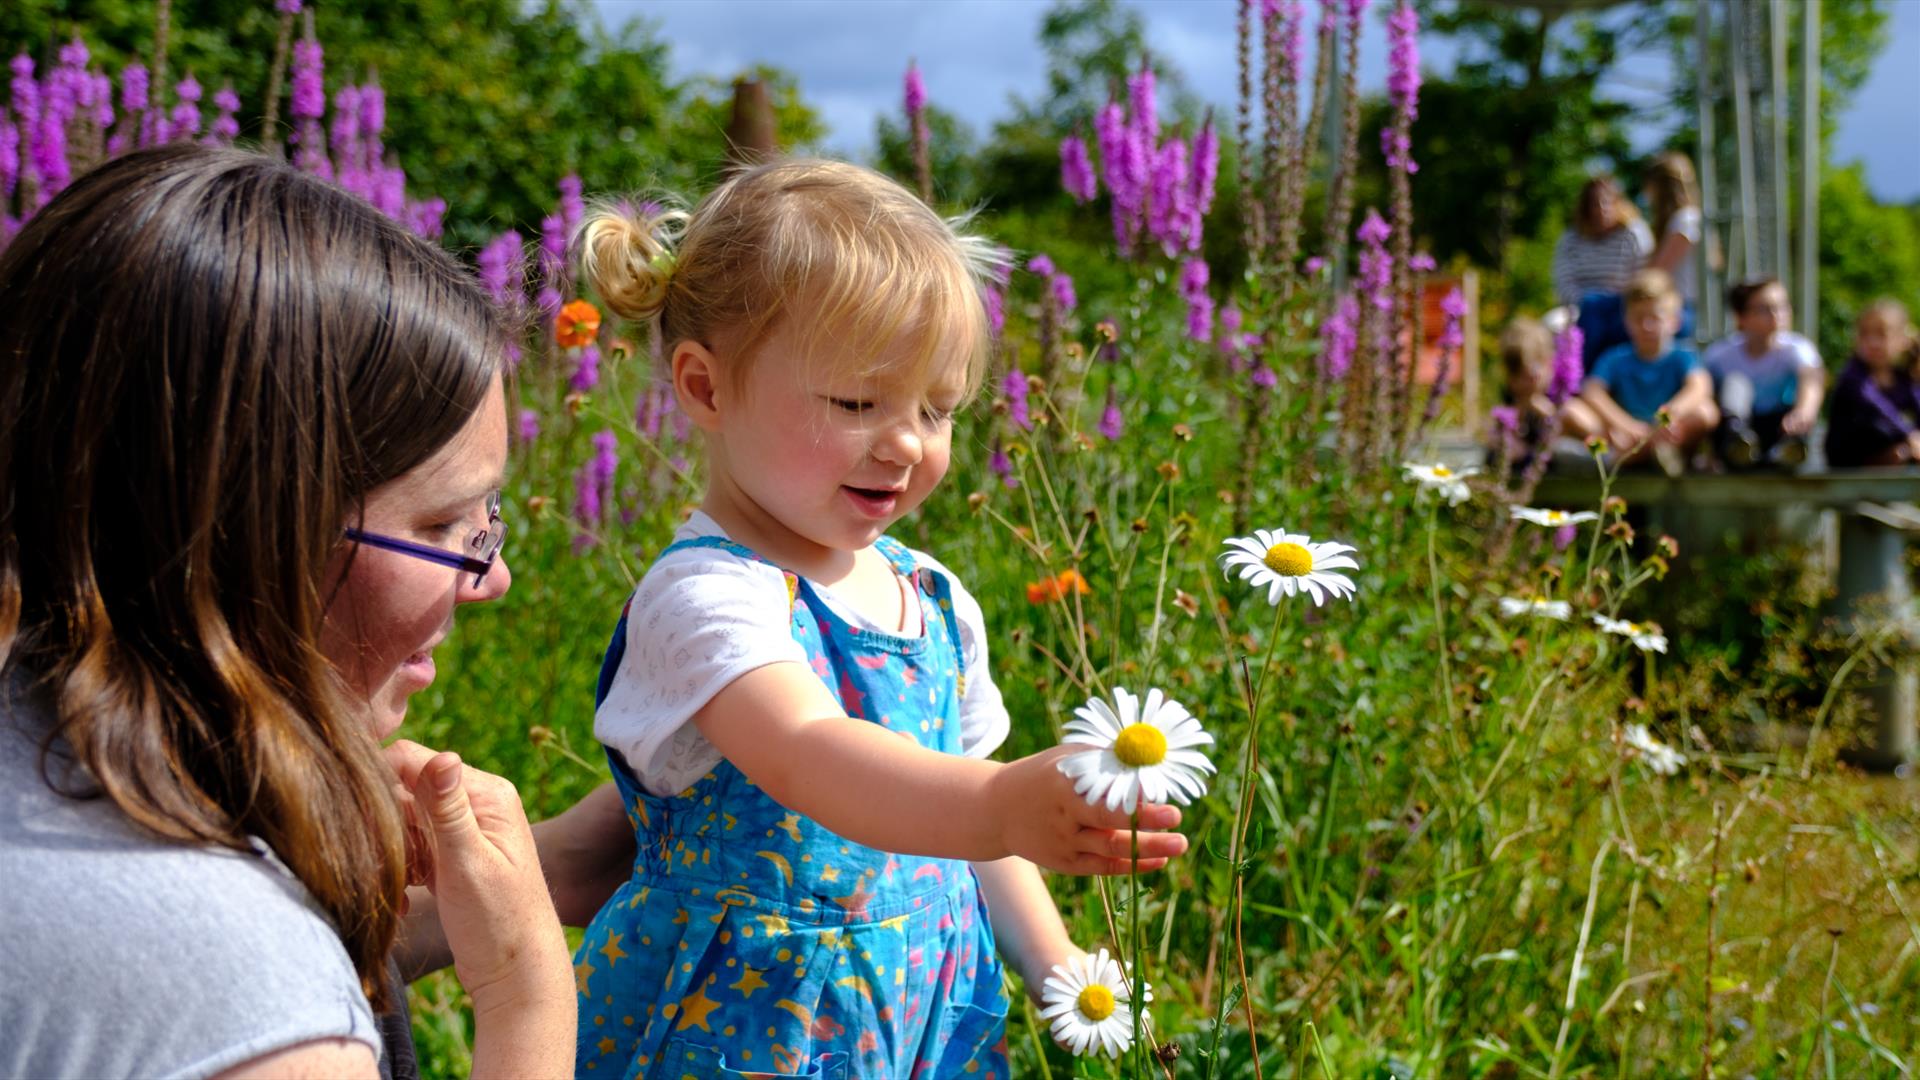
[[1441, 472], [1291, 560], [1140, 745], [1095, 1003], [1555, 517]]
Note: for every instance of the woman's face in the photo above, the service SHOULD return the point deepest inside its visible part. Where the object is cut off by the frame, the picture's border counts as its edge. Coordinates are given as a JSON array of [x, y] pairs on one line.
[[390, 609]]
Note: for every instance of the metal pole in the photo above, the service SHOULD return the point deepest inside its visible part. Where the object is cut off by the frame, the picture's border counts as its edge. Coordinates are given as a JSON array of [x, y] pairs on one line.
[[1707, 302], [1777, 106], [1743, 136], [1810, 165]]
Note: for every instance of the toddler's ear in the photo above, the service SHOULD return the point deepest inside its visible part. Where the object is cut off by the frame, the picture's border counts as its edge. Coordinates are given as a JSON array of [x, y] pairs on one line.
[[696, 383]]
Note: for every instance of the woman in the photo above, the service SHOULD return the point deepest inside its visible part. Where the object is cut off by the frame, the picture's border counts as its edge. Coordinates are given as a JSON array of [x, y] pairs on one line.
[[251, 436], [1673, 197], [1594, 259]]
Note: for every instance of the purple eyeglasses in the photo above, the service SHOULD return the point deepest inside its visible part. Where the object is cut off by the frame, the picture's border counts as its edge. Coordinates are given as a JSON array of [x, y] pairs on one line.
[[479, 552]]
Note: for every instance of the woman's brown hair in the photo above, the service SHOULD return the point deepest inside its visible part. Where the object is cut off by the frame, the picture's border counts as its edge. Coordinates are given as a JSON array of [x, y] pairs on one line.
[[207, 361], [1670, 188], [1602, 208]]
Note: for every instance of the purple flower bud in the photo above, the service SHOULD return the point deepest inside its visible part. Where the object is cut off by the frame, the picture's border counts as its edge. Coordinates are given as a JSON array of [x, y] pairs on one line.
[[185, 120], [1193, 289], [373, 117], [1001, 466], [133, 88], [287, 7], [586, 370], [74, 54], [1338, 337], [1265, 378], [308, 91], [553, 247], [346, 129], [1314, 265], [225, 127], [1140, 97], [1040, 265], [916, 94], [529, 426], [1063, 295], [1230, 319], [996, 304], [425, 218], [1112, 423], [1015, 388], [26, 92], [1564, 536], [548, 301], [572, 207], [1422, 263], [502, 265], [1454, 307], [1076, 170], [1506, 419], [1568, 369]]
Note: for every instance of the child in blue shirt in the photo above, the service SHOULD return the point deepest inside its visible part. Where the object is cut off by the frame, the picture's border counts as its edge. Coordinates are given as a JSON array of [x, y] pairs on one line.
[[1631, 384], [1770, 380]]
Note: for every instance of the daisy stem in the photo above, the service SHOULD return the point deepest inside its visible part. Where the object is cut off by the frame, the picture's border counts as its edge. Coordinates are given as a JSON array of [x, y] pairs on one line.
[[1440, 619], [1133, 939]]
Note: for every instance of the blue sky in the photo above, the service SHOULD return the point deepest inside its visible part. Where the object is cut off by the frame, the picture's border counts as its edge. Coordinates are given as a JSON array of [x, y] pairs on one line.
[[976, 54]]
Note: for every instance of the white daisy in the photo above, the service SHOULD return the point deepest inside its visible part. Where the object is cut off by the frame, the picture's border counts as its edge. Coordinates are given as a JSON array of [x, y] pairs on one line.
[[1659, 757], [1449, 483], [1140, 752], [1552, 519], [1645, 636], [1088, 1003], [1287, 564], [1513, 607]]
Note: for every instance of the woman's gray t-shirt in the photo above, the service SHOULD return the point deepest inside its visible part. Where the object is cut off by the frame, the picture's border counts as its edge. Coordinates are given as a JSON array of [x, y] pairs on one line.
[[128, 955]]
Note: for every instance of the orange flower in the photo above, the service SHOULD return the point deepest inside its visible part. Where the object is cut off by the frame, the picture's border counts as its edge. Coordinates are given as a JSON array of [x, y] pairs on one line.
[[577, 324], [1048, 590]]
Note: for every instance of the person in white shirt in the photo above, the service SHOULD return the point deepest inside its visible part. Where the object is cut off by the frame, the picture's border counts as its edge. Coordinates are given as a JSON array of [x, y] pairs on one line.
[[1770, 381]]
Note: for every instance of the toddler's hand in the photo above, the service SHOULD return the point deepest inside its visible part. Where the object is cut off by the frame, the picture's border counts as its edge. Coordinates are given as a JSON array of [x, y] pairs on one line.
[[1798, 421], [1039, 817]]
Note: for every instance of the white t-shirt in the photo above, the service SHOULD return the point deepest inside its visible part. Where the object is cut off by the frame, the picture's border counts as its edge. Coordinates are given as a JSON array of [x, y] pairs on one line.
[[701, 618], [1686, 222]]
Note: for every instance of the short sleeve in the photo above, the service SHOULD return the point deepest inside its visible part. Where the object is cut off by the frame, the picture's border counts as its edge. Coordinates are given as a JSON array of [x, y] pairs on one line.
[[700, 619], [1689, 361], [1605, 370], [984, 722], [1805, 354], [1686, 222], [128, 955], [1642, 237]]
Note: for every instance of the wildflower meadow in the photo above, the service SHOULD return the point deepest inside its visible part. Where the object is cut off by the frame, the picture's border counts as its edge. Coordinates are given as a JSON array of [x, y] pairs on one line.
[[1465, 782]]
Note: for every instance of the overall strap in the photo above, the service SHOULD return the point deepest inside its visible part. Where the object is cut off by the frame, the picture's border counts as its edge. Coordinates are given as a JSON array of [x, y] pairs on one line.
[[721, 543], [897, 554]]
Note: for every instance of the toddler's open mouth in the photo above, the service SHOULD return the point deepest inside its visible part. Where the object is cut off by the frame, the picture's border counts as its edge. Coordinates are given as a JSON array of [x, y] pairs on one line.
[[873, 502]]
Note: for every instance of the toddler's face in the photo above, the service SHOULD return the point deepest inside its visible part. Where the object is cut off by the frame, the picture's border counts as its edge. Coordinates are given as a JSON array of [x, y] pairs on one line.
[[1879, 339], [1652, 324], [834, 458], [1767, 313]]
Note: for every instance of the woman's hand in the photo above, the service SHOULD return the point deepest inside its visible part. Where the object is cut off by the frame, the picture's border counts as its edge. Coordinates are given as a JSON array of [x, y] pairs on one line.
[[1040, 818], [471, 847]]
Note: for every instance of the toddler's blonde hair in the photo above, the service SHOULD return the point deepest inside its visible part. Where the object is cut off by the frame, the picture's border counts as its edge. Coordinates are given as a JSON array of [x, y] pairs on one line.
[[853, 256]]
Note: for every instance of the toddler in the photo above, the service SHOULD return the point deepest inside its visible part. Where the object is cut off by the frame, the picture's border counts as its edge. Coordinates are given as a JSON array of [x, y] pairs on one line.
[[796, 707], [1632, 383], [1769, 379], [1875, 418]]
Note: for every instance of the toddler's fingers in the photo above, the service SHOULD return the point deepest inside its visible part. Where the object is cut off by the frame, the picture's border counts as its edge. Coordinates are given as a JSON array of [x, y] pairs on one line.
[[1118, 843], [1153, 816]]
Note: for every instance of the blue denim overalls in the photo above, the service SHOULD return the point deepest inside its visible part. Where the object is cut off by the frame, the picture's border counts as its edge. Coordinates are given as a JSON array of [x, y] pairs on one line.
[[750, 941]]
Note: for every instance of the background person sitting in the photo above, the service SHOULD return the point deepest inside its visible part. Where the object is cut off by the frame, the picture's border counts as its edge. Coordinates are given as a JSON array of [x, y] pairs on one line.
[[1770, 380], [1632, 383], [1593, 259], [1875, 415]]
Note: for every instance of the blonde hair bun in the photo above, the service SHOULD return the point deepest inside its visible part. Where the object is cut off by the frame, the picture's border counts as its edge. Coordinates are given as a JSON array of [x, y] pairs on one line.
[[626, 257]]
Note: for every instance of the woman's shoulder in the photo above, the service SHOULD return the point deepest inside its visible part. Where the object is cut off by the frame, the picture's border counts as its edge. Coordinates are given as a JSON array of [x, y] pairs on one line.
[[132, 953]]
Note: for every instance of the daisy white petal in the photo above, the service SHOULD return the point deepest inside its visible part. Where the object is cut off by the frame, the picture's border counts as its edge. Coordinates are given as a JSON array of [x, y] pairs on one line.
[[1551, 519], [1289, 564], [1088, 1003], [1520, 607], [1149, 756]]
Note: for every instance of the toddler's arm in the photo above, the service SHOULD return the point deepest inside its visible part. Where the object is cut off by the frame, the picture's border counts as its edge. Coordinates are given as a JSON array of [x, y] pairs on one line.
[[1808, 396], [780, 726], [1026, 924]]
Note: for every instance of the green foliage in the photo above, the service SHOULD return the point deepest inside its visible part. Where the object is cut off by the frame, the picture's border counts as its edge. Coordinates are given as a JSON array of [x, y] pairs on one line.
[[1867, 250]]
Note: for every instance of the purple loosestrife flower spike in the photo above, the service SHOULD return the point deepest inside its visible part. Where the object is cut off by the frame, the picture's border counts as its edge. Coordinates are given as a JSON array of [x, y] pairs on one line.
[[1112, 423], [915, 92], [1454, 307], [1041, 265], [25, 91], [1076, 169], [1015, 388], [226, 127], [1193, 289], [586, 370], [1140, 94], [503, 270], [1567, 368], [287, 7], [100, 88], [134, 81], [1506, 419], [186, 111], [553, 247], [1265, 377], [572, 206], [1002, 467], [1063, 294], [373, 122], [1168, 213], [995, 302], [1206, 170], [1403, 86], [1422, 263], [309, 93], [426, 218], [529, 426], [1338, 337], [9, 158], [1564, 536]]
